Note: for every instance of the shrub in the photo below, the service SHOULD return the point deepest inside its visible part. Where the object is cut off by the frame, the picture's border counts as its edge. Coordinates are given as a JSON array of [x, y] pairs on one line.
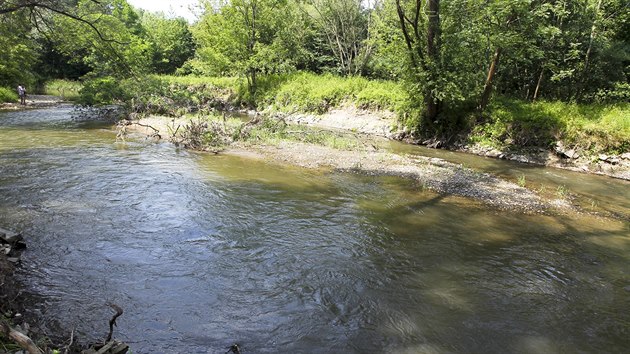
[[8, 95], [308, 92], [101, 91]]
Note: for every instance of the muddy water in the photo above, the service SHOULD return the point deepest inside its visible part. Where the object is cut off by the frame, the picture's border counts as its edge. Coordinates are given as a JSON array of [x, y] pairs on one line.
[[203, 251]]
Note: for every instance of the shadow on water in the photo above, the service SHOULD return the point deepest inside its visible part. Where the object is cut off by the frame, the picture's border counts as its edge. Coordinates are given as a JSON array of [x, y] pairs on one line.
[[203, 251]]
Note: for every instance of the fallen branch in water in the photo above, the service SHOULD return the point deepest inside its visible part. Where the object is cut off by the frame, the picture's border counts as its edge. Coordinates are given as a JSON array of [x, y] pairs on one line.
[[124, 123], [20, 339], [112, 322]]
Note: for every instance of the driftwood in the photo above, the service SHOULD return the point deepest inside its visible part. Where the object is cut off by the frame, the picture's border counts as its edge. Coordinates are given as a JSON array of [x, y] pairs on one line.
[[122, 129], [20, 339], [112, 322]]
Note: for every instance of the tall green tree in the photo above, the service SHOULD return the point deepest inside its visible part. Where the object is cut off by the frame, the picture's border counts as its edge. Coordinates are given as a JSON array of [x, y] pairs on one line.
[[248, 37], [118, 47], [172, 43], [345, 26]]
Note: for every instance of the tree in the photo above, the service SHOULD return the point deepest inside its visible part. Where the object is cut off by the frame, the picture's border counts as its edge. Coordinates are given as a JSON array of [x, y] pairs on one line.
[[345, 25], [118, 48], [19, 52], [171, 41], [421, 32], [249, 37]]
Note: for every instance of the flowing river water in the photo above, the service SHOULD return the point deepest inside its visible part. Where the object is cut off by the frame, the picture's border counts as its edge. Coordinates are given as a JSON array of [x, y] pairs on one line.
[[203, 251]]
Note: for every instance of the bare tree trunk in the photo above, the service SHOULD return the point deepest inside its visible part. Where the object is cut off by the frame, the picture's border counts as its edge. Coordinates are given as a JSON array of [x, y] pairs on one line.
[[592, 38], [487, 88], [587, 58], [540, 79]]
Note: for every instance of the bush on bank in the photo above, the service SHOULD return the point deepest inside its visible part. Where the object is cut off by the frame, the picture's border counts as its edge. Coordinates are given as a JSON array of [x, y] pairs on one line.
[[303, 92]]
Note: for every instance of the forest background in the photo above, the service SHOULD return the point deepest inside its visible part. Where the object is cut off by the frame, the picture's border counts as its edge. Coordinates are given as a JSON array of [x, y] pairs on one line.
[[505, 73]]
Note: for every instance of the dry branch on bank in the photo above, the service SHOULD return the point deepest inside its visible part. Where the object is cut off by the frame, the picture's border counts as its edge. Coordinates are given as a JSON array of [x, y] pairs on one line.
[[20, 339]]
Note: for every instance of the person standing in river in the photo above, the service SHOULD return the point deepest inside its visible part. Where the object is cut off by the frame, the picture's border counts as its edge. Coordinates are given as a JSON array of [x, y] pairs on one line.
[[22, 93]]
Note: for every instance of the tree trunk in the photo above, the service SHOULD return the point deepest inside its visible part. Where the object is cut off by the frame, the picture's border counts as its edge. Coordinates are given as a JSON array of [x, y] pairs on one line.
[[20, 339], [592, 38], [540, 79], [487, 88], [433, 50], [587, 57]]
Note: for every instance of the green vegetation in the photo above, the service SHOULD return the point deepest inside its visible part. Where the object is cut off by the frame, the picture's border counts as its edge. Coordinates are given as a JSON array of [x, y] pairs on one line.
[[298, 92], [8, 95], [216, 131], [306, 92], [562, 67], [66, 89], [591, 127]]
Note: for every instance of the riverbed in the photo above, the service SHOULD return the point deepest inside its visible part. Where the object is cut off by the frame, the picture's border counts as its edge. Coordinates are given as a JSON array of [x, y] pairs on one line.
[[203, 251]]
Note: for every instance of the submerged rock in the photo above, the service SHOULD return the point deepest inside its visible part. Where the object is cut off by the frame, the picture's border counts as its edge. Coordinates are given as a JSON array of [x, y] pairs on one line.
[[10, 245], [10, 237]]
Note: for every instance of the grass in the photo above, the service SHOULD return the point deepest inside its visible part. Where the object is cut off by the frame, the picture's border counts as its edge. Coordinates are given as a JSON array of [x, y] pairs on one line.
[[297, 92], [223, 82], [307, 92], [562, 191], [592, 128], [521, 181], [8, 95], [66, 89]]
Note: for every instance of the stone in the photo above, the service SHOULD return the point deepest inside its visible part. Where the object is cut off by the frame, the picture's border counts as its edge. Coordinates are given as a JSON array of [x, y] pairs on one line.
[[603, 157], [13, 259], [625, 156], [10, 237], [493, 153], [571, 154], [559, 148], [520, 158]]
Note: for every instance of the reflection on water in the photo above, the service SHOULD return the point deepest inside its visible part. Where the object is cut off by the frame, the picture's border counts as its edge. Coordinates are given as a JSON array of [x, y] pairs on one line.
[[203, 251]]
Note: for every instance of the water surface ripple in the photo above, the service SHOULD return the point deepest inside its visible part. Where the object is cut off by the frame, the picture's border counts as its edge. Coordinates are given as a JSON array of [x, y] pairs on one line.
[[203, 251]]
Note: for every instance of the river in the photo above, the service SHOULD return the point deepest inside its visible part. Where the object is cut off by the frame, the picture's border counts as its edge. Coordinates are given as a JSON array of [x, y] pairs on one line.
[[203, 251]]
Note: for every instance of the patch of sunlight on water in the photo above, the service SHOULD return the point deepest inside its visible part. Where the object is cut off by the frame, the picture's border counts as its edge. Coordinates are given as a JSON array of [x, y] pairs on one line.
[[538, 345], [423, 349]]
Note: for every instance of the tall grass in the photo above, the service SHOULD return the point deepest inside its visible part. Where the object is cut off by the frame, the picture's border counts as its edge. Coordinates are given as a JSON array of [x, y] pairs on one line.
[[589, 127], [8, 95], [66, 89], [307, 92]]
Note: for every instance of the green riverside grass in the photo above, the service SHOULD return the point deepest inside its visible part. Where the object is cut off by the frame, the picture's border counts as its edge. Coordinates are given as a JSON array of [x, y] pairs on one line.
[[66, 89], [593, 128]]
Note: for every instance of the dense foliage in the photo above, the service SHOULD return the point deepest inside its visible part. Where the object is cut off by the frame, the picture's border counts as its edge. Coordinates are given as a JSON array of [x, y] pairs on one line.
[[452, 58]]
